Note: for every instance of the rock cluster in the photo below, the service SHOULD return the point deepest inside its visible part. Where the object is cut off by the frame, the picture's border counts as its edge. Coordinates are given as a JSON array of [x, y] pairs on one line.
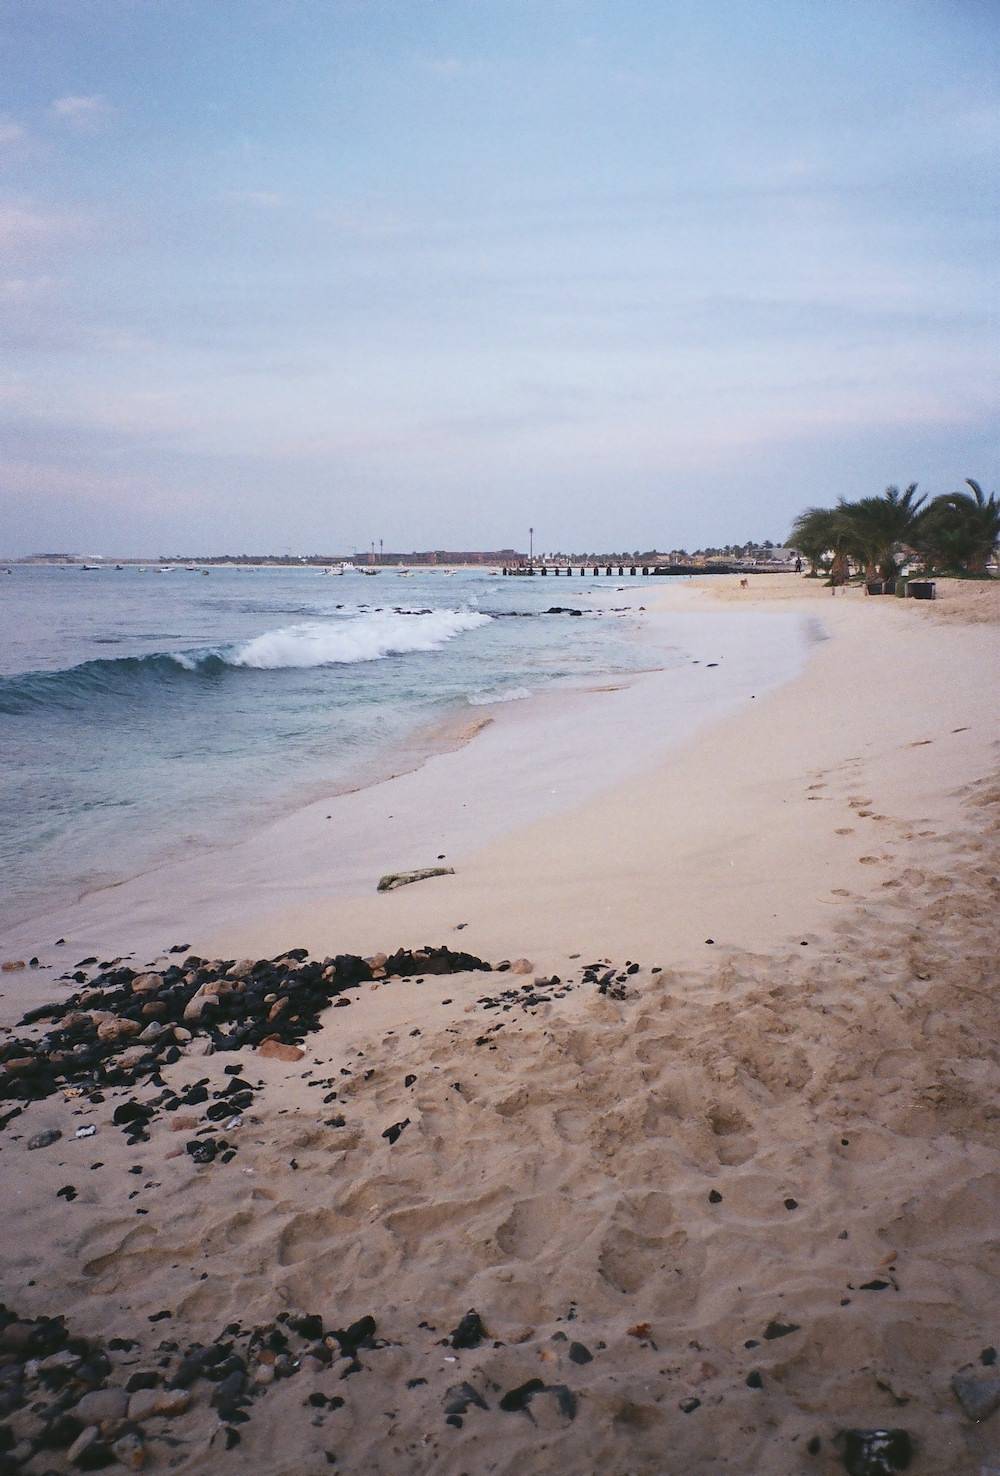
[[123, 1025], [102, 1404], [609, 980]]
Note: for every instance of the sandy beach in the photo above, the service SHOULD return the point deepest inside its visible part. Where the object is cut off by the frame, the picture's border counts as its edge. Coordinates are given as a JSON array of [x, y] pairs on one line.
[[715, 1163]]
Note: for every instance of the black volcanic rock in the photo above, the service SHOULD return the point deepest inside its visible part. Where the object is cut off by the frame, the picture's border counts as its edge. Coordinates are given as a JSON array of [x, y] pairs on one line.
[[232, 1005], [875, 1452], [469, 1333]]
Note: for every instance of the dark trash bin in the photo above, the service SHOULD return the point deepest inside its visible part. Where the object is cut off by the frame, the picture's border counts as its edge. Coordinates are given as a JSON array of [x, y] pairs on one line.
[[921, 589]]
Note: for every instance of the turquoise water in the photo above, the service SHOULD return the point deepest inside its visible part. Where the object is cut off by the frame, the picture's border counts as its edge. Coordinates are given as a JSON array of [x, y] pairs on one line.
[[145, 713]]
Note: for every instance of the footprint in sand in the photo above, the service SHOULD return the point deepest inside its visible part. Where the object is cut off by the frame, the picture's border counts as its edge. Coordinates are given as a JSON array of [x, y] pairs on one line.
[[414, 1225], [308, 1233], [572, 1125], [627, 1261], [530, 1226], [845, 830], [735, 1142], [130, 1263], [920, 743], [638, 1239]]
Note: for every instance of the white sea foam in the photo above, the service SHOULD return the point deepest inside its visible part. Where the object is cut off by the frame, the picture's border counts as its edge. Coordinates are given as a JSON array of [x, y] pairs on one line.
[[364, 638], [512, 694]]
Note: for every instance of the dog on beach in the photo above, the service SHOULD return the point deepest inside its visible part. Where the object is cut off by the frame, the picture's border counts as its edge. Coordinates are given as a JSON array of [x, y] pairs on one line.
[[744, 584]]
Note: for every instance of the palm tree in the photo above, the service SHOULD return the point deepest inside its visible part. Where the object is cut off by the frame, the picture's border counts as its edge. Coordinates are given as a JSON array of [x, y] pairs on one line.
[[816, 532], [876, 527], [819, 533], [957, 531]]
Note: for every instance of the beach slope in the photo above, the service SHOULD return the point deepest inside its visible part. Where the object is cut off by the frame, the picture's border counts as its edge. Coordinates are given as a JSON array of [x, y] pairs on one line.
[[714, 1164]]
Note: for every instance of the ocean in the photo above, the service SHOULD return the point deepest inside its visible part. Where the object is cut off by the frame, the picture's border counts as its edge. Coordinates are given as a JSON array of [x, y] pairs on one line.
[[146, 715]]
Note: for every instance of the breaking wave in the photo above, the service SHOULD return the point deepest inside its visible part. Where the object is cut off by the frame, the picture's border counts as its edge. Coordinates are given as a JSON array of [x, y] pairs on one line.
[[310, 644], [484, 699], [317, 643]]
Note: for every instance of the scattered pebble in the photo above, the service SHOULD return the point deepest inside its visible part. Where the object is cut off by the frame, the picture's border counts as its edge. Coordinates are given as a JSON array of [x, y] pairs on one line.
[[875, 1452], [45, 1138]]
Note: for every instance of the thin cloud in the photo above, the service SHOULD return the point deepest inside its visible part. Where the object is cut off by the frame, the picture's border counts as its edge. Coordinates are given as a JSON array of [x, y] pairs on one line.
[[21, 224], [443, 66], [84, 113], [261, 199], [25, 289]]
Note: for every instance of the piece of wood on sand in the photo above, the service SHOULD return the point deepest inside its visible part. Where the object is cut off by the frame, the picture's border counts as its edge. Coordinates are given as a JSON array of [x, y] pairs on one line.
[[394, 879]]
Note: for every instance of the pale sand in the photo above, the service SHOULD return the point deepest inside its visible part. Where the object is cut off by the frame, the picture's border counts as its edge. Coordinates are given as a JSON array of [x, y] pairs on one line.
[[747, 834], [852, 810]]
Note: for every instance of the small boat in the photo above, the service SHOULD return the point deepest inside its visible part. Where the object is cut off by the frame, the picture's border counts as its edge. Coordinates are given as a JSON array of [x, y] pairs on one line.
[[166, 569], [91, 568], [205, 572], [119, 566], [191, 568], [371, 572]]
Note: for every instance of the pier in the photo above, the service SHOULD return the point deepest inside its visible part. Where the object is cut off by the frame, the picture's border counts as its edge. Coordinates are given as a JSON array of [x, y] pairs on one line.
[[622, 571], [609, 571]]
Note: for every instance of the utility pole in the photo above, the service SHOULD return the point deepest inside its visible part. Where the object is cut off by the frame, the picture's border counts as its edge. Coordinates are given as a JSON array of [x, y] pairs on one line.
[[380, 551], [531, 546]]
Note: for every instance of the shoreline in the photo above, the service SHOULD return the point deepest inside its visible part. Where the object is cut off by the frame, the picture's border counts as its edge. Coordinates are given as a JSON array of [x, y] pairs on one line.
[[449, 724], [726, 1199], [397, 819]]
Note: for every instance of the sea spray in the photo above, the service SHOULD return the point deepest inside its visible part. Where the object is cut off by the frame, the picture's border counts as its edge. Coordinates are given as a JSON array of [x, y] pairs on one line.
[[369, 638]]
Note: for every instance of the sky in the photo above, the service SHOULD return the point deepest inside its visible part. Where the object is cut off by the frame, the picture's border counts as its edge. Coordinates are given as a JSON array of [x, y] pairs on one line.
[[297, 275]]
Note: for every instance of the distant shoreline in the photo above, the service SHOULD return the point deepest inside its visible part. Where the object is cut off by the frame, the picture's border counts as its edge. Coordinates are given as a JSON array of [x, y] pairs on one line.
[[577, 563]]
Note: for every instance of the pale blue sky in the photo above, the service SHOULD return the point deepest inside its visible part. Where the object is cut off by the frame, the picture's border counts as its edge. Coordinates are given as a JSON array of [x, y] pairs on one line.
[[300, 274]]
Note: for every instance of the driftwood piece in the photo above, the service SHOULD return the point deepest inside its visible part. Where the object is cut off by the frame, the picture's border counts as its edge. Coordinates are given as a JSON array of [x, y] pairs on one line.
[[394, 879]]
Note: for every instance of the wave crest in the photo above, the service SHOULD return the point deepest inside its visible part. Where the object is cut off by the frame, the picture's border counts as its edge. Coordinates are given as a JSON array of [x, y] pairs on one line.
[[485, 699], [311, 644], [315, 643]]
